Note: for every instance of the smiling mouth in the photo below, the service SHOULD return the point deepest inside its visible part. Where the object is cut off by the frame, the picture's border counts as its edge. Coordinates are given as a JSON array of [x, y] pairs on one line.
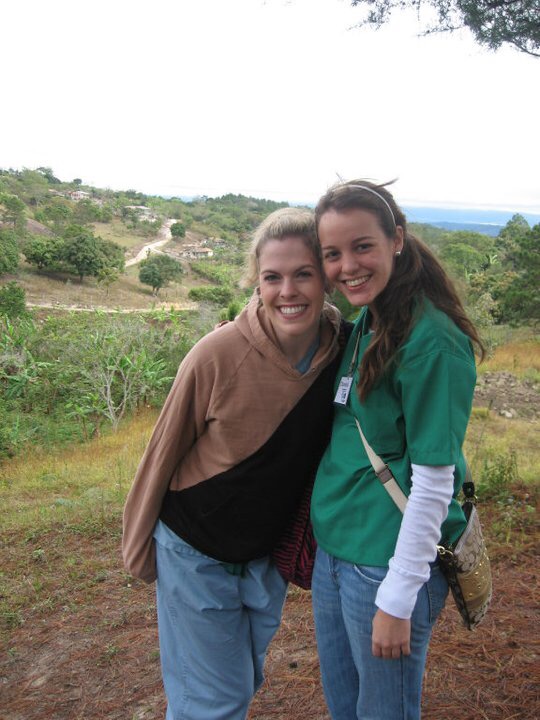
[[357, 281], [291, 309]]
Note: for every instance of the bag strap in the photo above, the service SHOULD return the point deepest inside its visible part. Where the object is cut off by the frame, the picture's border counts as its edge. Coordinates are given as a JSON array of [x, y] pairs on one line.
[[383, 472]]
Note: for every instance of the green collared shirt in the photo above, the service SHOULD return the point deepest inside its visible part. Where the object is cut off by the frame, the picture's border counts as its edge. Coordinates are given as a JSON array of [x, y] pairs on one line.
[[417, 413]]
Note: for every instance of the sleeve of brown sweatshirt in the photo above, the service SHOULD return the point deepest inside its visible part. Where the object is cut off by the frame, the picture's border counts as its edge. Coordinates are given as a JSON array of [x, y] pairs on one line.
[[180, 422]]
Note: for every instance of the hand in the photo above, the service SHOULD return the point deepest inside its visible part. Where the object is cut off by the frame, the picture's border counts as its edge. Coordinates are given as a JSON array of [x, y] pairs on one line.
[[391, 636]]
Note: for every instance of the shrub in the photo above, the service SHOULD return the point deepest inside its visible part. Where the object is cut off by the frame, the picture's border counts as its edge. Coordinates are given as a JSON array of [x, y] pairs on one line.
[[12, 300]]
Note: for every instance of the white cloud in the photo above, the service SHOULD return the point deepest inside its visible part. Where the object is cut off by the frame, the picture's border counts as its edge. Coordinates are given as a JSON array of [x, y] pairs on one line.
[[271, 99]]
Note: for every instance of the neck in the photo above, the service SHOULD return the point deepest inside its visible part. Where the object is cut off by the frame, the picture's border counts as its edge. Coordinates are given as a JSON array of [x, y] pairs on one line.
[[295, 348]]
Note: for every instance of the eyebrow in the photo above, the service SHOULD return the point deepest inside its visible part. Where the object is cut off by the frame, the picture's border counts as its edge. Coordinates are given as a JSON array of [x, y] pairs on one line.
[[302, 267]]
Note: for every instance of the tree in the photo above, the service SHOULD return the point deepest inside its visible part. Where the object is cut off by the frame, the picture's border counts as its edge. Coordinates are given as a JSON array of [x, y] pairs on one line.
[[178, 230], [492, 22], [88, 254], [81, 251], [42, 251], [9, 251], [150, 275], [522, 297], [14, 211], [158, 270], [106, 277]]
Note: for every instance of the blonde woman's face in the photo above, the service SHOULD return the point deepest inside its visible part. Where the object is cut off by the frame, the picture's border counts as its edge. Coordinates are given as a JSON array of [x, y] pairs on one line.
[[291, 287]]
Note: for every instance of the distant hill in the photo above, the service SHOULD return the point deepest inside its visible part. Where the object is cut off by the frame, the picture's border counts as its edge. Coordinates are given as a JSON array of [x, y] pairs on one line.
[[488, 222], [484, 228]]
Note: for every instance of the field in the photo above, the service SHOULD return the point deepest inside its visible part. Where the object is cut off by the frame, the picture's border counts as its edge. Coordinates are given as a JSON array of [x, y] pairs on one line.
[[79, 635]]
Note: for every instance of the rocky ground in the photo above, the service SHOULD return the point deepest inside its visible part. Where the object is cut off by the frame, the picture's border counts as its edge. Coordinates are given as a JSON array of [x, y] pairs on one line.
[[508, 396]]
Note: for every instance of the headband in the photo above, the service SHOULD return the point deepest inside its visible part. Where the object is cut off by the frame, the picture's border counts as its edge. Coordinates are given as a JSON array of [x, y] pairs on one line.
[[374, 192]]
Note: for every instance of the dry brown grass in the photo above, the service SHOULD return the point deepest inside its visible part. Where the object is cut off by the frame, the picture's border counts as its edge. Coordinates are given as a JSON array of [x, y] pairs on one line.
[[519, 358], [65, 291], [117, 232]]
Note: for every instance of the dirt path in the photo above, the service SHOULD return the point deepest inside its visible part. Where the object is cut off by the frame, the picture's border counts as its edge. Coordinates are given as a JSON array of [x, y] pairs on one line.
[[164, 235]]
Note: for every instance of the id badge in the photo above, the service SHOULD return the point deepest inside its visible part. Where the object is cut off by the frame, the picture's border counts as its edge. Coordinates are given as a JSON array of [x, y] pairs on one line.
[[343, 390]]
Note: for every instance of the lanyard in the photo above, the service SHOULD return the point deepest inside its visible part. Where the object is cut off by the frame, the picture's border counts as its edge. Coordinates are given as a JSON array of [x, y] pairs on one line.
[[345, 384]]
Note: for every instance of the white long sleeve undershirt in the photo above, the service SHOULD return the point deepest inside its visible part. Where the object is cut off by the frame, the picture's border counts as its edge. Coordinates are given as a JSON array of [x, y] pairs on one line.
[[426, 510]]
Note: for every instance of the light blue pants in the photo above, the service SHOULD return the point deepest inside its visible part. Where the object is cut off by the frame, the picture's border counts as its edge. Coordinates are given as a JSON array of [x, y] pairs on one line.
[[357, 685], [214, 629]]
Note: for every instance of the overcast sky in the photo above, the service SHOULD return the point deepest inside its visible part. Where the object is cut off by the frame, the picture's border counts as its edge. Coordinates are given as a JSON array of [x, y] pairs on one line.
[[272, 99]]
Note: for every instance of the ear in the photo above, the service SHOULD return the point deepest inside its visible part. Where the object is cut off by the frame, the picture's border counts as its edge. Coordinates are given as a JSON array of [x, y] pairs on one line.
[[399, 239]]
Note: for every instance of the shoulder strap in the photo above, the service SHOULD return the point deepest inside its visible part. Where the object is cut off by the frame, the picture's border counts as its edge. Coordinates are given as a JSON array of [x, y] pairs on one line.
[[383, 472]]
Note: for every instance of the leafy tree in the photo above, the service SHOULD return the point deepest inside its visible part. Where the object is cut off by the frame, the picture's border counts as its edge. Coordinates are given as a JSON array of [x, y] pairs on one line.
[[492, 22], [522, 297], [48, 173], [43, 251], [88, 254], [13, 211], [113, 255], [9, 251], [34, 187], [462, 259], [178, 230], [158, 270], [509, 238], [12, 300], [107, 276], [150, 275], [81, 251], [57, 213], [86, 211]]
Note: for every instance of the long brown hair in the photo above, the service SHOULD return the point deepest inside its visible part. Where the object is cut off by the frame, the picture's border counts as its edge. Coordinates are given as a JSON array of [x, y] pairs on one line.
[[416, 273]]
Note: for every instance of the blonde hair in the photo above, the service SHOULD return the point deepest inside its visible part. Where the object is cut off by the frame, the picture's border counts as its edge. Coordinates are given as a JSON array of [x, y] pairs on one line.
[[282, 223]]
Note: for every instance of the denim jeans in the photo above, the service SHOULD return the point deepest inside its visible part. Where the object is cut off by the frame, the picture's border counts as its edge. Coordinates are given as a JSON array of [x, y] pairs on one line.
[[214, 629], [357, 685]]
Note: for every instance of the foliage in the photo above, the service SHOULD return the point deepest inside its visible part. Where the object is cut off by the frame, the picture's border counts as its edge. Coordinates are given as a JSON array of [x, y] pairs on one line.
[[43, 251], [12, 210], [499, 473], [158, 270], [231, 311], [85, 369], [12, 300], [178, 230], [217, 295], [216, 272], [9, 251], [492, 22]]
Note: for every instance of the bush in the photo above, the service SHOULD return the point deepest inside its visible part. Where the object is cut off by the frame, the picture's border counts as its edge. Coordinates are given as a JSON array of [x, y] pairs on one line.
[[216, 295], [9, 251], [12, 300]]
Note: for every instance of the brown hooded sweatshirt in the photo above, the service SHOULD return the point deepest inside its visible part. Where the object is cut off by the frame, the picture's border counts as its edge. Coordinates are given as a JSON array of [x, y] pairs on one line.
[[238, 438]]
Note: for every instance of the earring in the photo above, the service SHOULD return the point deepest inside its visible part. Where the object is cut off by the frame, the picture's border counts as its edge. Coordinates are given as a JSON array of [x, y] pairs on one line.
[[398, 253]]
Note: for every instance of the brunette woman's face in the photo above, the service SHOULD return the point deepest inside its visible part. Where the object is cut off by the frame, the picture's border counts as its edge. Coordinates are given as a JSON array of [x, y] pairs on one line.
[[358, 256], [291, 287]]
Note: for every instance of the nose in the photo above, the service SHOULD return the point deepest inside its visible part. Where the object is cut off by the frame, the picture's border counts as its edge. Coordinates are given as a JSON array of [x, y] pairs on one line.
[[288, 287], [349, 263]]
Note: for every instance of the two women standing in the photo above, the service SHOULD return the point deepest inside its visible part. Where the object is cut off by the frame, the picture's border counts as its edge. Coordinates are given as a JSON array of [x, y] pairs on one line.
[[241, 436]]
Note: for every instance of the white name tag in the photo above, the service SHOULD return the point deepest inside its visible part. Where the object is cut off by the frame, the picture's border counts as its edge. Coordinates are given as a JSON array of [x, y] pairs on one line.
[[343, 390]]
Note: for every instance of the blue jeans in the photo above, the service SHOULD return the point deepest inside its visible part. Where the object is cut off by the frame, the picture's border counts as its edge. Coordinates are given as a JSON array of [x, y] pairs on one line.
[[357, 685], [214, 629]]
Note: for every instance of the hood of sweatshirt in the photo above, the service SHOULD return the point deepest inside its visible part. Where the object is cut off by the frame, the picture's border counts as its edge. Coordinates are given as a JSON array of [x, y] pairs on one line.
[[255, 326]]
